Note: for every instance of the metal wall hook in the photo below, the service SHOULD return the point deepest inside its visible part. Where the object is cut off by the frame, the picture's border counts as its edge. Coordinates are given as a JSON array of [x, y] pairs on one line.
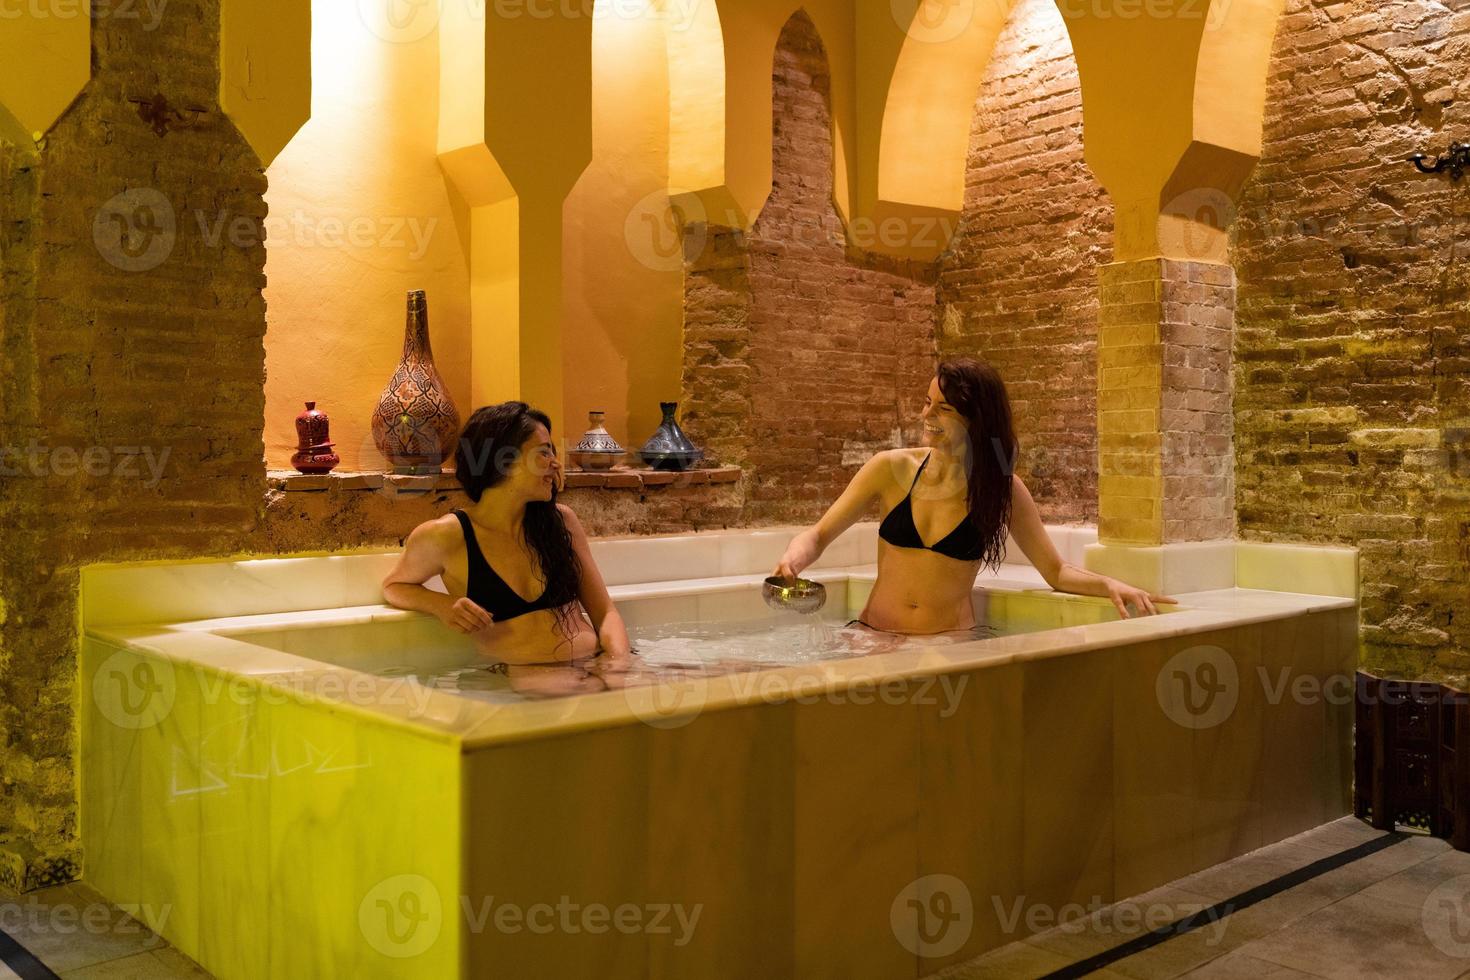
[[162, 117], [1456, 161]]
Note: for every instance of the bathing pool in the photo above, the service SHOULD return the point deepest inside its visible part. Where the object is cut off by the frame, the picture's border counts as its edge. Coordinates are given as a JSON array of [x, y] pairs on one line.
[[289, 779]]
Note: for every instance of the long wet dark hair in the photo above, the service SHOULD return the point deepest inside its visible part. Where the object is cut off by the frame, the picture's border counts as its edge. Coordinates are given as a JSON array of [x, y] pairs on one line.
[[978, 394], [489, 446]]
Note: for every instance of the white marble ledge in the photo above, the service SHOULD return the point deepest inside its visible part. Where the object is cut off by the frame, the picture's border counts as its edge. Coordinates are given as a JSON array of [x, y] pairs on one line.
[[1254, 605], [218, 648]]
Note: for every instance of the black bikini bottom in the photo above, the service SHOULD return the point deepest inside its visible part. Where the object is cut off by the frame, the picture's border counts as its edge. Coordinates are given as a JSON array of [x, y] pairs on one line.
[[983, 631], [503, 669]]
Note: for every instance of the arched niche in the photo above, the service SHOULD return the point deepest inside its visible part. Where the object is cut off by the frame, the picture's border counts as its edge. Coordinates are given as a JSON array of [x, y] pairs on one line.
[[1172, 101], [1173, 107], [720, 102]]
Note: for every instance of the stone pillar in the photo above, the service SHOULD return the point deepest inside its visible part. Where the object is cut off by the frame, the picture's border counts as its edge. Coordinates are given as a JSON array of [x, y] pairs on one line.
[[1165, 455]]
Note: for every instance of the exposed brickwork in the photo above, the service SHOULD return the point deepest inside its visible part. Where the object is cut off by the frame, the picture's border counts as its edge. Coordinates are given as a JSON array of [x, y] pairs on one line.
[[1018, 285], [1164, 393], [1352, 370], [1196, 332], [803, 356], [119, 362]]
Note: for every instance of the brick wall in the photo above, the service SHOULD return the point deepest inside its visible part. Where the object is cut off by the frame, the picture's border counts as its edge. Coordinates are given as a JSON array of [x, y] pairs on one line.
[[1019, 284], [115, 360], [803, 356], [1164, 428], [1352, 370], [146, 350]]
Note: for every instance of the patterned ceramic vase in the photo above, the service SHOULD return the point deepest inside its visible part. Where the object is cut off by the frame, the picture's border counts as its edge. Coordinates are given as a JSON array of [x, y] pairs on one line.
[[669, 448], [314, 442], [598, 450], [416, 423]]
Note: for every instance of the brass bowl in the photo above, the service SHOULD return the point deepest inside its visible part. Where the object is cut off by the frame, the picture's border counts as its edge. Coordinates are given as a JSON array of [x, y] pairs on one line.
[[802, 595]]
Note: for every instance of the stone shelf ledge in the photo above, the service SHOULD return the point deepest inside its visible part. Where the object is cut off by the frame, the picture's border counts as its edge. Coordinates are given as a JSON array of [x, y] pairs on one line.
[[618, 478], [627, 478], [290, 480]]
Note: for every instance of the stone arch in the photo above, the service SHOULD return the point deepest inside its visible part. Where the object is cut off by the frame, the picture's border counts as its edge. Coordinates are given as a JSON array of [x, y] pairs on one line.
[[1173, 107], [1017, 284], [774, 302], [924, 135], [720, 101]]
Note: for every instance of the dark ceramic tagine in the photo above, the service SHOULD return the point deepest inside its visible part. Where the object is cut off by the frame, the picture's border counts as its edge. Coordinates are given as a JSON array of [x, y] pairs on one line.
[[314, 442], [669, 448]]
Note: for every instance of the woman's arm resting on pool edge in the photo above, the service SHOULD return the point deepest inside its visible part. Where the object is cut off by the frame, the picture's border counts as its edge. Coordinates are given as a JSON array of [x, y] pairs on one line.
[[421, 560], [612, 634], [1030, 534], [849, 508]]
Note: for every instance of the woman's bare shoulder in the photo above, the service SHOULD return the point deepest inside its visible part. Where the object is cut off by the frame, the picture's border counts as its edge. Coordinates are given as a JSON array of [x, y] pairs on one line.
[[442, 533], [895, 465]]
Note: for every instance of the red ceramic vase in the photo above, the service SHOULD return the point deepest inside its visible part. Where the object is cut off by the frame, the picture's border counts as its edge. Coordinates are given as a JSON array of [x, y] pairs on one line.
[[314, 442]]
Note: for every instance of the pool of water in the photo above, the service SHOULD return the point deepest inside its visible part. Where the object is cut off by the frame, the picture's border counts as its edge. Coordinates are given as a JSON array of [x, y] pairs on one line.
[[673, 651]]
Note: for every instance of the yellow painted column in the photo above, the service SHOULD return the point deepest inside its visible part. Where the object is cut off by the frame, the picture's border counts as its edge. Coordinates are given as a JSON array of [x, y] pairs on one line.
[[1165, 455], [45, 61], [1173, 99], [514, 135], [265, 70]]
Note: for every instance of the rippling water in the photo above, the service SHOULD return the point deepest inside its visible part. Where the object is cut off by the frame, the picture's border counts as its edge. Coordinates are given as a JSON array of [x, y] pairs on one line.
[[673, 651]]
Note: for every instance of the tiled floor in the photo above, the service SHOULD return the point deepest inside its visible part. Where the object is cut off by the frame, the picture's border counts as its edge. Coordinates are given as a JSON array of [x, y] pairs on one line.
[[1403, 911], [81, 936]]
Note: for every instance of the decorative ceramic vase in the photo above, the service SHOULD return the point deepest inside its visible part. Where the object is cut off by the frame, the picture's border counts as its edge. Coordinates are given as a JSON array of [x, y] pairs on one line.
[[415, 423], [314, 442], [598, 450], [669, 448]]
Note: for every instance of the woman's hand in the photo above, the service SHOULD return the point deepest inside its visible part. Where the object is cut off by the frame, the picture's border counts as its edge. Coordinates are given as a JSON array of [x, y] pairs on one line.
[[1124, 595], [614, 662], [799, 555], [465, 616]]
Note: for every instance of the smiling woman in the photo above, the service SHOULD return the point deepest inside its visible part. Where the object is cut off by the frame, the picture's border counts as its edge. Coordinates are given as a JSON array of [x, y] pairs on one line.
[[968, 501], [515, 541]]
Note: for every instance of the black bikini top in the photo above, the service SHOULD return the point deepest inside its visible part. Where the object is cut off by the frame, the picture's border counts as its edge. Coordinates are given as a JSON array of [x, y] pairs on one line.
[[488, 590], [899, 530]]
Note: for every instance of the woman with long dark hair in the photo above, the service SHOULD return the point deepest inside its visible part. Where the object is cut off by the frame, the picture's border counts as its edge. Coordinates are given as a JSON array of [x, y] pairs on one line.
[[960, 493], [516, 563]]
